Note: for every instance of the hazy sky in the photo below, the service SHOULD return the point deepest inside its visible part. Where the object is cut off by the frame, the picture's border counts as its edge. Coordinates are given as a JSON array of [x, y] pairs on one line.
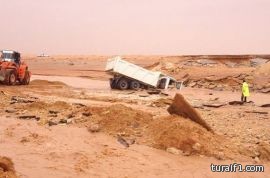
[[136, 26]]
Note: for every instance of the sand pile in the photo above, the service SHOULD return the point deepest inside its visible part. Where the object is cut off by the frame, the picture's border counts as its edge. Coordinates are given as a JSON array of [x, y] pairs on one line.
[[7, 168], [187, 136], [117, 119], [41, 106], [264, 151], [182, 108], [45, 83], [162, 102], [162, 132]]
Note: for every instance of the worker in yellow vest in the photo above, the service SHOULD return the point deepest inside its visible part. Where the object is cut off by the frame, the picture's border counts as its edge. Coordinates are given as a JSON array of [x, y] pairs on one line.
[[245, 91]]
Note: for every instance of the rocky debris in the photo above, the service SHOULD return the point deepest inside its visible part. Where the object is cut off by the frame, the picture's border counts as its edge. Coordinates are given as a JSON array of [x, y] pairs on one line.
[[144, 95], [53, 112], [164, 94], [71, 115], [174, 151], [63, 121], [7, 168], [257, 62], [203, 62], [257, 112], [16, 99], [154, 92], [131, 141], [87, 114], [53, 115], [94, 128], [214, 104], [207, 62], [182, 108], [121, 140], [29, 117], [265, 105], [52, 123], [265, 90], [2, 93], [79, 104], [236, 103], [197, 147], [10, 111]]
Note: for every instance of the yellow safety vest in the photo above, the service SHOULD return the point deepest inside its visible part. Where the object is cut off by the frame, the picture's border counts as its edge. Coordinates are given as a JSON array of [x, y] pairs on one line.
[[245, 89]]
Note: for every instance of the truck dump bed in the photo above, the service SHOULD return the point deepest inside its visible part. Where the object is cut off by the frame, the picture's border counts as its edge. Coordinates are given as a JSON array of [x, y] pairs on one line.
[[119, 66]]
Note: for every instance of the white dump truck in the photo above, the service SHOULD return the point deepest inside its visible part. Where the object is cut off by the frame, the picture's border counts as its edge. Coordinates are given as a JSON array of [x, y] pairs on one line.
[[130, 76]]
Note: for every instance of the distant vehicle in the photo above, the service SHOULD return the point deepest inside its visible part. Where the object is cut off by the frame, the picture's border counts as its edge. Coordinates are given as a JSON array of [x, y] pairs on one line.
[[130, 76], [43, 55], [12, 69]]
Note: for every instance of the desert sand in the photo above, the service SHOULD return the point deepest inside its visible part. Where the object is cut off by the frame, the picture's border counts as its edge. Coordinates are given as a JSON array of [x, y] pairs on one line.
[[69, 123]]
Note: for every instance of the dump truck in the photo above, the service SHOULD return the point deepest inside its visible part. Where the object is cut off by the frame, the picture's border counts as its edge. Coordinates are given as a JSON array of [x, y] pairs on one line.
[[12, 69], [130, 76]]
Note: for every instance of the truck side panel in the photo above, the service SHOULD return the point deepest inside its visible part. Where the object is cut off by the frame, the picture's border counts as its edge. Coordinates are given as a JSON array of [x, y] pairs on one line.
[[119, 66]]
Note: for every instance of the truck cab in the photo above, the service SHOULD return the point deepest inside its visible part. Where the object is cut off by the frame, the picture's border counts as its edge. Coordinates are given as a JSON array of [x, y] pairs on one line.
[[166, 82]]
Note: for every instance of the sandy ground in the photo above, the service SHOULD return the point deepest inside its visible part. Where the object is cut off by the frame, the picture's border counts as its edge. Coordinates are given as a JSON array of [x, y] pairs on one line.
[[70, 150]]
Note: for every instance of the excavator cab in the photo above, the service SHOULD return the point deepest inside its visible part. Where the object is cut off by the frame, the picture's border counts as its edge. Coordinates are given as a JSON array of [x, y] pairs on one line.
[[10, 56]]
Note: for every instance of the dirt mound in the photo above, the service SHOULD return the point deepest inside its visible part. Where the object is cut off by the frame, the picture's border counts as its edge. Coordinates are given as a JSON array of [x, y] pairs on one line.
[[40, 105], [7, 168], [46, 83], [182, 108], [184, 134], [118, 119], [264, 151], [162, 102]]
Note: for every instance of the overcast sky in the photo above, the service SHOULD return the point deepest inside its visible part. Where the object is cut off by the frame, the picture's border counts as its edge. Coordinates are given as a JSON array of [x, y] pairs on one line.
[[171, 27]]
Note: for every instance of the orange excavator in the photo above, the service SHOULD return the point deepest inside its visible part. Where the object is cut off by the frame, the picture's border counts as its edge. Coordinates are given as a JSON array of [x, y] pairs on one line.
[[12, 69]]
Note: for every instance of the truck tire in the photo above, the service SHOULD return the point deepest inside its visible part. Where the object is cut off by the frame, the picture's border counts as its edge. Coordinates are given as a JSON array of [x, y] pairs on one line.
[[11, 77], [113, 83], [123, 84], [26, 79], [135, 85]]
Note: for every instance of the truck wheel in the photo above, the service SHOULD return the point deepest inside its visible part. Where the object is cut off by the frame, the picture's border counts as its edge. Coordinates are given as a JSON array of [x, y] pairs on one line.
[[26, 79], [123, 84], [113, 83], [134, 85], [11, 78]]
